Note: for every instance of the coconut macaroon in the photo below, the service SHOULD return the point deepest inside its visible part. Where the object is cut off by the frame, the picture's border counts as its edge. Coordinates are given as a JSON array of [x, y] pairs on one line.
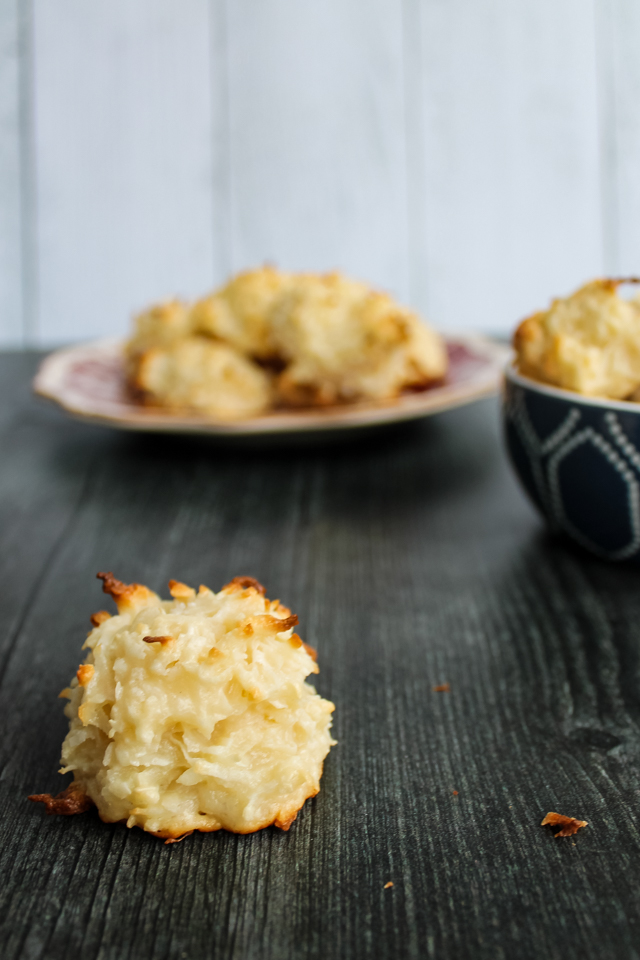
[[342, 341], [240, 313], [270, 339], [171, 364], [205, 376], [588, 342], [193, 713]]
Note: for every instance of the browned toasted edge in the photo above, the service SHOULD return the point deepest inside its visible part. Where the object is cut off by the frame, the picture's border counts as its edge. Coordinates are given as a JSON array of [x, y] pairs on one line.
[[243, 583], [277, 624], [70, 801], [100, 617], [126, 595]]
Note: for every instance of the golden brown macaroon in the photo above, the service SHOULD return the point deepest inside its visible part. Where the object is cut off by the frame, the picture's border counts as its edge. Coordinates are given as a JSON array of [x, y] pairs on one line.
[[588, 342], [159, 327], [172, 363], [269, 338], [194, 714], [344, 342], [240, 313], [206, 376]]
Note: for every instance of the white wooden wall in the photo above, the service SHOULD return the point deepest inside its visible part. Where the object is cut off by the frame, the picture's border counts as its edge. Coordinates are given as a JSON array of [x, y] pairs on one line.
[[472, 158]]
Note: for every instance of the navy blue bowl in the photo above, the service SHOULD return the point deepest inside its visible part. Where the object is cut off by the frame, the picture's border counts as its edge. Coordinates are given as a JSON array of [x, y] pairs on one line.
[[578, 458]]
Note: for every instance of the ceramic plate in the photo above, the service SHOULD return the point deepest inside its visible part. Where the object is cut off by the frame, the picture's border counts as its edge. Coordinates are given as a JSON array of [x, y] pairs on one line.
[[88, 382]]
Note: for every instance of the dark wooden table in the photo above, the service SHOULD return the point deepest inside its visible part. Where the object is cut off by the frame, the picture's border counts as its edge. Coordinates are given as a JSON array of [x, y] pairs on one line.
[[413, 560]]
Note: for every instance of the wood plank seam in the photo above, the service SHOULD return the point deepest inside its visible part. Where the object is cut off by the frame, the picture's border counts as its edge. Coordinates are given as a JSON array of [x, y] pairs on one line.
[[28, 192], [607, 134]]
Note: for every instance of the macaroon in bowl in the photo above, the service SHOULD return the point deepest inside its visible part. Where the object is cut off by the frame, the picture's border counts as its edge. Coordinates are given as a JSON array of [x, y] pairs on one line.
[[572, 417]]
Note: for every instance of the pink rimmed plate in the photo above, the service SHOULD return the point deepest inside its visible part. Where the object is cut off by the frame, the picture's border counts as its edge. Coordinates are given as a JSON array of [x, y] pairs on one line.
[[88, 382]]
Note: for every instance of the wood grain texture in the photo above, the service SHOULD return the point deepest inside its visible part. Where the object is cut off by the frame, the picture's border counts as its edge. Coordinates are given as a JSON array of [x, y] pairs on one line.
[[11, 182], [619, 25], [473, 159], [412, 560], [124, 159], [318, 164], [221, 225], [512, 200]]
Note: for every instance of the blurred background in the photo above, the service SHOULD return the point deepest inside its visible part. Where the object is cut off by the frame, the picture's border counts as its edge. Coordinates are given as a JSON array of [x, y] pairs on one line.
[[473, 158]]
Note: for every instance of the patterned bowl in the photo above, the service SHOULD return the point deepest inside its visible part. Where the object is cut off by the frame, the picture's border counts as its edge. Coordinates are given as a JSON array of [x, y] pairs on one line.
[[578, 458]]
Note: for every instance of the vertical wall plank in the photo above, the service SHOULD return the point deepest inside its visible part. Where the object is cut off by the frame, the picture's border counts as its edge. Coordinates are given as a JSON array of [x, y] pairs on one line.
[[475, 159], [317, 137], [221, 147], [125, 139], [11, 308], [620, 120], [512, 206], [413, 67]]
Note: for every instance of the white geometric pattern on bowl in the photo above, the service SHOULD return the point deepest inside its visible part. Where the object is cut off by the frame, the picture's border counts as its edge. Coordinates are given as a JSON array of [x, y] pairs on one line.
[[602, 432]]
